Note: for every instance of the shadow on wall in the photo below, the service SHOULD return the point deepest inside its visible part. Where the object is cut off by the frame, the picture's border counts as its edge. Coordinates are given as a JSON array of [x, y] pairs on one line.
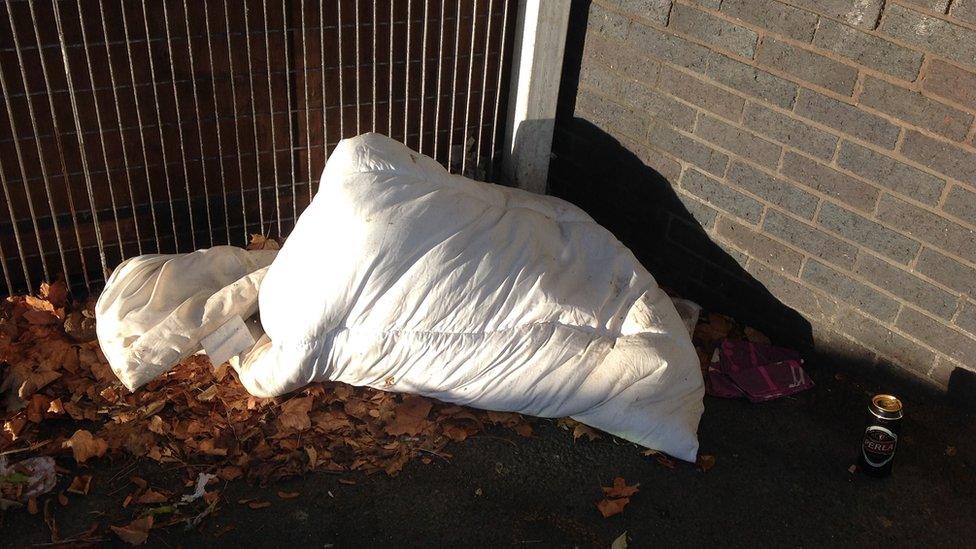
[[613, 183]]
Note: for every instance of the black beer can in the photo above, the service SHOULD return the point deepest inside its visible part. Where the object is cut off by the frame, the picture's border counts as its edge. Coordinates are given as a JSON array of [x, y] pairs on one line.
[[881, 435]]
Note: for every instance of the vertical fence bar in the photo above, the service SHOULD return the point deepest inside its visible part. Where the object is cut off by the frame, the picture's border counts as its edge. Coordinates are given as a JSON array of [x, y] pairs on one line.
[[440, 68], [196, 110], [373, 106], [159, 125], [37, 142], [342, 102], [10, 206], [135, 99], [237, 133], [179, 128], [358, 76], [484, 88], [216, 110], [308, 107], [274, 140], [406, 76], [286, 45], [467, 97], [389, 103], [57, 141], [118, 119], [423, 77], [325, 109], [80, 134], [254, 123], [98, 122], [3, 257], [450, 126], [498, 94]]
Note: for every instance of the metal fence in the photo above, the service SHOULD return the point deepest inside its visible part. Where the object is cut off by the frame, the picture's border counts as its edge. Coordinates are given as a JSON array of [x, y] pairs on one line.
[[131, 127]]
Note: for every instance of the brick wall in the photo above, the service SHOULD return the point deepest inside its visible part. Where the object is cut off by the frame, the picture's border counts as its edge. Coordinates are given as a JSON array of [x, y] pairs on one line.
[[772, 157]]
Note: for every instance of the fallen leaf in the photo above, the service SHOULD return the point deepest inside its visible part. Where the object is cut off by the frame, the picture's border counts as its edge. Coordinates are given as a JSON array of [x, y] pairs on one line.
[[581, 430], [259, 504], [288, 495], [80, 485], [706, 462], [32, 506], [410, 416], [261, 242], [620, 489], [950, 451], [85, 446], [620, 542], [294, 414], [136, 532], [611, 507], [151, 496]]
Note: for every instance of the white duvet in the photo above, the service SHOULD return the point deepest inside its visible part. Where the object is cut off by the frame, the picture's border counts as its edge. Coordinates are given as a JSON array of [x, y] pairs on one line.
[[403, 277]]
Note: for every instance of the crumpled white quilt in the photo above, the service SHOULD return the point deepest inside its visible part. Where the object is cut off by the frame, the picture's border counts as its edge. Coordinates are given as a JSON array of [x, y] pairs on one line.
[[402, 277]]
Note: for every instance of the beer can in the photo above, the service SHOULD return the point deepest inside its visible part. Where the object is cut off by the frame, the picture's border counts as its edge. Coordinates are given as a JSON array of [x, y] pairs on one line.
[[880, 438]]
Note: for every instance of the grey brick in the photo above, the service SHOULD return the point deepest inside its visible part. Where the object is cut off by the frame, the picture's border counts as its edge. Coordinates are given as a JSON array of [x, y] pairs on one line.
[[759, 246], [947, 271], [687, 149], [934, 5], [928, 227], [739, 141], [600, 51], [952, 343], [945, 158], [773, 190], [847, 290], [845, 188], [847, 118], [868, 50], [701, 93], [713, 30], [860, 13], [930, 33], [721, 196], [667, 47], [813, 305], [704, 214], [789, 131], [751, 81], [869, 234], [915, 108], [807, 65], [652, 10], [890, 344], [616, 120], [606, 23], [809, 239], [964, 10], [967, 317], [961, 203], [951, 82], [906, 286], [650, 104], [663, 164], [890, 173], [774, 16]]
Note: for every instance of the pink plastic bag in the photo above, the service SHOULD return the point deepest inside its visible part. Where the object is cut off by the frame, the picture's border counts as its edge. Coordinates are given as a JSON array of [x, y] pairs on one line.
[[756, 371]]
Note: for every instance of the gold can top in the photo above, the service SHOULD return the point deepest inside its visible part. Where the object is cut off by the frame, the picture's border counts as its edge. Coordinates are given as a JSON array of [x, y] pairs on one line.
[[887, 406]]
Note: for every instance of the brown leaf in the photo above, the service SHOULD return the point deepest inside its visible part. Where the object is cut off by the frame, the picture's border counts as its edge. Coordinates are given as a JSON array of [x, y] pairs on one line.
[[706, 462], [294, 414], [410, 416], [260, 242], [259, 504], [611, 507], [84, 446], [620, 489], [288, 495], [136, 532], [950, 451], [580, 430], [55, 293], [230, 472], [151, 496], [80, 485], [32, 506]]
